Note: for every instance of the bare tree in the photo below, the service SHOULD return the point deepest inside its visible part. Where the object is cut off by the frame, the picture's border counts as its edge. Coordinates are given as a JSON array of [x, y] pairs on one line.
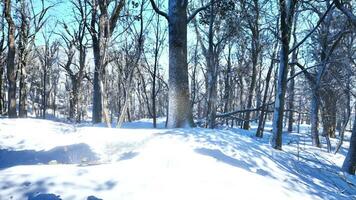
[[101, 28], [75, 40], [47, 54]]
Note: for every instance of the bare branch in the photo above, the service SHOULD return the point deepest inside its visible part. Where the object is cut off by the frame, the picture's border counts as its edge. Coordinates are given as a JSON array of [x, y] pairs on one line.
[[314, 29], [347, 12], [158, 11], [191, 16], [115, 15]]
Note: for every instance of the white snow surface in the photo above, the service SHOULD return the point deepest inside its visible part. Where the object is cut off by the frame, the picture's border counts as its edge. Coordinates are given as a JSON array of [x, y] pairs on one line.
[[138, 162]]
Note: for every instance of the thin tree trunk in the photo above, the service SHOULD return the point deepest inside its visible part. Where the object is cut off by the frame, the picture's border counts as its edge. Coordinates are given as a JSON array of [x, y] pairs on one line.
[[259, 132], [23, 61], [291, 101], [44, 98]]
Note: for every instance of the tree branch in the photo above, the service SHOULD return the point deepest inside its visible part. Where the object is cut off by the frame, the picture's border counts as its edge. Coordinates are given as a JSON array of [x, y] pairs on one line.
[[314, 29], [158, 11], [115, 15], [242, 111], [191, 16], [347, 12]]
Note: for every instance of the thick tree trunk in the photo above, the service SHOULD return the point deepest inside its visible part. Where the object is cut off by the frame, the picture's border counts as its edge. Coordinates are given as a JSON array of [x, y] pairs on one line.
[[10, 62], [180, 113], [349, 164]]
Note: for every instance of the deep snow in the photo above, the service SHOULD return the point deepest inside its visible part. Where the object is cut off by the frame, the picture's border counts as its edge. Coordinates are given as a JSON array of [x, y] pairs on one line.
[[138, 162]]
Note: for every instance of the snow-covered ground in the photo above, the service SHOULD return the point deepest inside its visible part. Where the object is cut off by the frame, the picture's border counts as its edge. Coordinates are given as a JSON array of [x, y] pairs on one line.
[[138, 162]]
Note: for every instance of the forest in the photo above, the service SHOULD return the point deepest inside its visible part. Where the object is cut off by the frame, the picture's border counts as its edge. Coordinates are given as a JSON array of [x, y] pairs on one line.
[[277, 71]]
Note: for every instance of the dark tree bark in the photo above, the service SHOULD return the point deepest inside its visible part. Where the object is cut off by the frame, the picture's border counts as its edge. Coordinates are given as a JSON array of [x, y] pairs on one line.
[[10, 61]]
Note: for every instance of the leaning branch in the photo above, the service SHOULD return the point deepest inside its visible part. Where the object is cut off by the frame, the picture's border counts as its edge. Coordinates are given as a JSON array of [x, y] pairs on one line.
[[242, 111], [158, 11]]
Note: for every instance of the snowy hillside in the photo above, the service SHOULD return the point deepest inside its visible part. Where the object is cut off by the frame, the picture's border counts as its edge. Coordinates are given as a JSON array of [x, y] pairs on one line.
[[137, 162]]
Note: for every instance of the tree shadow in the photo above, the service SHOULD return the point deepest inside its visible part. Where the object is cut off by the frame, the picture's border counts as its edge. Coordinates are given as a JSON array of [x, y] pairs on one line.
[[128, 155], [71, 154], [303, 174]]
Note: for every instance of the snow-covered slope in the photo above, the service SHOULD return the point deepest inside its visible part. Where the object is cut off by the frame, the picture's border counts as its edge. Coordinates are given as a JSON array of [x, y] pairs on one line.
[[137, 162]]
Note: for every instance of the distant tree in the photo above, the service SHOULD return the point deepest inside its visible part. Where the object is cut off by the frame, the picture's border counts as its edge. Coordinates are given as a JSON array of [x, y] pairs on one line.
[[48, 56], [75, 40]]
